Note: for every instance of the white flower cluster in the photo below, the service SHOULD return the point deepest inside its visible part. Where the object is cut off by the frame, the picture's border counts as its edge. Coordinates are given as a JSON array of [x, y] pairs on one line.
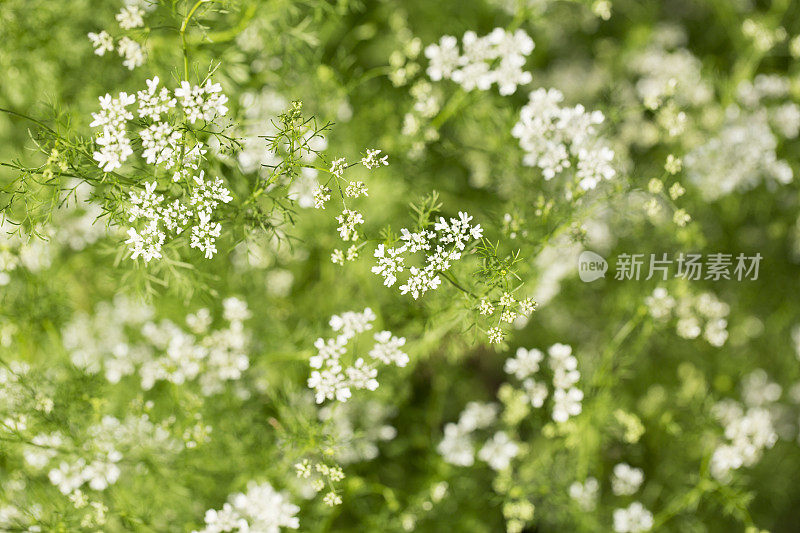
[[132, 52], [585, 494], [321, 475], [416, 123], [458, 448], [442, 246], [743, 153], [633, 519], [758, 390], [498, 451], [338, 257], [160, 140], [702, 314], [261, 509], [120, 340], [162, 144], [509, 311], [129, 18], [158, 218], [348, 221], [329, 379], [669, 75], [352, 189], [114, 142], [202, 102], [494, 58], [555, 137], [626, 479], [566, 397], [97, 462], [749, 431], [374, 159]]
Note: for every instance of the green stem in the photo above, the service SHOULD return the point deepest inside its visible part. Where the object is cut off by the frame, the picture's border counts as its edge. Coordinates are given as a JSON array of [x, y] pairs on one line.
[[453, 105], [184, 45]]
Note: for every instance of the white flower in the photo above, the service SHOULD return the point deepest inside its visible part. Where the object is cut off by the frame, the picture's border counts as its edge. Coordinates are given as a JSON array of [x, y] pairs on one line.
[[204, 102], [626, 479], [474, 75], [477, 415], [633, 519], [527, 306], [130, 17], [450, 238], [390, 262], [747, 433], [131, 51], [204, 235], [552, 136], [355, 189], [113, 118], [102, 42], [536, 392], [525, 363], [564, 378], [321, 195], [415, 242], [660, 303], [329, 384], [786, 119], [594, 165], [338, 167], [739, 157], [387, 349], [566, 403], [499, 451], [362, 376], [260, 509], [494, 58], [332, 499], [159, 142], [420, 281], [115, 149], [456, 446], [585, 494], [509, 75], [495, 335], [444, 58], [154, 103], [724, 459], [351, 323], [374, 159], [208, 194], [235, 310], [147, 243], [331, 381], [330, 350], [348, 221], [486, 307]]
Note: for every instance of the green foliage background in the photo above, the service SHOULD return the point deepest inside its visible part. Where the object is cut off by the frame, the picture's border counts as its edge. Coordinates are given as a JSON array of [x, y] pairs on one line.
[[334, 56]]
